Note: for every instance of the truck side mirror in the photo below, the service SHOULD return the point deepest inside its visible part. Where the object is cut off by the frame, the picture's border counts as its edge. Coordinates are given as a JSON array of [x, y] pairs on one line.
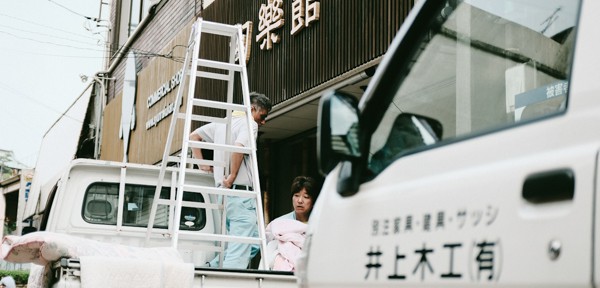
[[337, 130]]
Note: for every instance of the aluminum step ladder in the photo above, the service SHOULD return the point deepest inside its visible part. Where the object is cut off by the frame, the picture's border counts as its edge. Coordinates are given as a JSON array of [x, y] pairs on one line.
[[192, 65]]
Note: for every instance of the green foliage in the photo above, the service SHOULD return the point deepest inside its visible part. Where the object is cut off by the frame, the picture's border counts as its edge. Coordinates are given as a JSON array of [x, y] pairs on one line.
[[20, 276], [6, 171], [9, 227]]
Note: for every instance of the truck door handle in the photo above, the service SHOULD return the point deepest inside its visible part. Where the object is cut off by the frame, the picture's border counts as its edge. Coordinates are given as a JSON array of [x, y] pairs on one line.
[[550, 186]]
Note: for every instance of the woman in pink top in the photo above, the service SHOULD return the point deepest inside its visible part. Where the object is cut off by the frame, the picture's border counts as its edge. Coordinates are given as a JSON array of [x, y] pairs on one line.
[[286, 233]]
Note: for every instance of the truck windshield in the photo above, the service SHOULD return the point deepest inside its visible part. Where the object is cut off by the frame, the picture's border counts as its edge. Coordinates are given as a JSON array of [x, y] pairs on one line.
[[486, 66]]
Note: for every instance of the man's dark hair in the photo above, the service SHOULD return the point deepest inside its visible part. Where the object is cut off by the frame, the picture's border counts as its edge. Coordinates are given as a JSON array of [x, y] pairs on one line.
[[261, 101], [305, 182]]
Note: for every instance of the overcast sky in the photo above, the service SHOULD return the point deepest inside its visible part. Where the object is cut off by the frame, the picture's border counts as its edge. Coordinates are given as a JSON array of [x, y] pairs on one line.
[[44, 48]]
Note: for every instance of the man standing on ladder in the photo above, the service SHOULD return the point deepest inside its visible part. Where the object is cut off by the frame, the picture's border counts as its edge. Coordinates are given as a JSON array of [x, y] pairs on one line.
[[241, 212]]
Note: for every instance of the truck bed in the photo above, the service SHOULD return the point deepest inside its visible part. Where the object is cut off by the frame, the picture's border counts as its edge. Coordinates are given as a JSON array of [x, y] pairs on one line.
[[67, 273]]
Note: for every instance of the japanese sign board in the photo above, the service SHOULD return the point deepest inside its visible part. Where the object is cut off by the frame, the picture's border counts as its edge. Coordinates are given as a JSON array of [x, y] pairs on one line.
[[559, 88], [271, 18], [412, 262], [304, 12]]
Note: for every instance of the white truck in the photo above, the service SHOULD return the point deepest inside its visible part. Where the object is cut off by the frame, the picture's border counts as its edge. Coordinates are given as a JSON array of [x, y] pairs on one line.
[[87, 203], [472, 159], [94, 216]]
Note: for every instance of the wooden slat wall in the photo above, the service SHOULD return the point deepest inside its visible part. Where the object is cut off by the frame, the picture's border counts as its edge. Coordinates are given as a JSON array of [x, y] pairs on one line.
[[349, 33], [147, 146], [112, 146], [170, 20]]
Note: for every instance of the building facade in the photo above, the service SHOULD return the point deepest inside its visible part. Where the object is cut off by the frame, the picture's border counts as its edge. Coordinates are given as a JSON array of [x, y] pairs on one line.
[[15, 184], [296, 50]]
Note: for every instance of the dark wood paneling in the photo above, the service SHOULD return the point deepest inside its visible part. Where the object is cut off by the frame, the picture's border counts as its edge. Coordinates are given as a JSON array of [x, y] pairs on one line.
[[349, 33]]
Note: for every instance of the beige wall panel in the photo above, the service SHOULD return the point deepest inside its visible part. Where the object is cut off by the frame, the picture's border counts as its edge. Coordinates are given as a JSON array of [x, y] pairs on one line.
[[112, 146], [147, 145]]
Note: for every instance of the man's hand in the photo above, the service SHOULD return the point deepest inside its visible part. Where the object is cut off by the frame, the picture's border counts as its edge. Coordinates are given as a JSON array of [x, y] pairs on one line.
[[228, 181], [197, 153], [236, 162], [206, 168]]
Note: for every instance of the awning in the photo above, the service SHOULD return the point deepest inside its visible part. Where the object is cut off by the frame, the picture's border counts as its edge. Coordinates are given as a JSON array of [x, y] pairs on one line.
[[58, 148]]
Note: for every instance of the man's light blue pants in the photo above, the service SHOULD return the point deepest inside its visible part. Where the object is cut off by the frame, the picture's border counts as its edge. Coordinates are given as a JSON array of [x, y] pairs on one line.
[[241, 221]]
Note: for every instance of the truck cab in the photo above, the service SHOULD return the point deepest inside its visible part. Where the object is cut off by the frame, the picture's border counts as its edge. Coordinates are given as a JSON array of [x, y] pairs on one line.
[[95, 227], [87, 202], [472, 157]]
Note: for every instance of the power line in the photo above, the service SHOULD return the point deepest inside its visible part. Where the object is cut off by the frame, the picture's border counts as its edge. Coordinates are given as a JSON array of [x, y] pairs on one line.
[[550, 20], [47, 42], [11, 90], [140, 52], [46, 26], [74, 12], [47, 35], [52, 55], [22, 135]]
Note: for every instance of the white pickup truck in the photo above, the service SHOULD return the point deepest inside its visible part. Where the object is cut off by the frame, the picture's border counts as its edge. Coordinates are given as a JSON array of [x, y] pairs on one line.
[[87, 203], [472, 159]]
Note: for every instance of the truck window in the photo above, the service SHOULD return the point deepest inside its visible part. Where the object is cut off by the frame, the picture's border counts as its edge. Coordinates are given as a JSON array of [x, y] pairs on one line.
[[484, 66], [101, 200]]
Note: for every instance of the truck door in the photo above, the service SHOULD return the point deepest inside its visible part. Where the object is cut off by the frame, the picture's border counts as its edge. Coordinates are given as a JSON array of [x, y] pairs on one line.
[[479, 153]]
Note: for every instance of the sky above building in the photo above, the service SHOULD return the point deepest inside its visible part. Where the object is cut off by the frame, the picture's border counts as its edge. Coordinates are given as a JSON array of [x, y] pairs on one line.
[[45, 49]]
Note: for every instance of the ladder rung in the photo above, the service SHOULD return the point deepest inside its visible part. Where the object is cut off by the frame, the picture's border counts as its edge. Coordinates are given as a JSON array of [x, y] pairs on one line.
[[219, 28], [177, 159], [190, 204], [220, 191], [211, 75], [220, 147], [222, 238], [219, 65], [196, 245], [203, 118], [218, 104], [196, 171], [192, 171]]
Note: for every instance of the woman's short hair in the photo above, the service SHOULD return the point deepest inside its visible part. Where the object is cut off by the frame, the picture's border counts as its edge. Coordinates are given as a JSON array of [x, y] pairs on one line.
[[305, 182]]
